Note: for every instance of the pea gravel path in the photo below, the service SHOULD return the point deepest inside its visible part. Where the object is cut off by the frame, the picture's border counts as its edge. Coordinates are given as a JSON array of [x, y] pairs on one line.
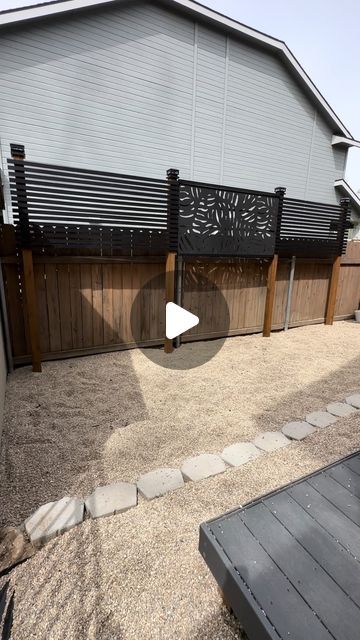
[[91, 421], [139, 574]]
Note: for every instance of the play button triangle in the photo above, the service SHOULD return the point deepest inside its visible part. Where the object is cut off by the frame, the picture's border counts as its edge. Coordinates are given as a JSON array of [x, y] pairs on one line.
[[178, 320]]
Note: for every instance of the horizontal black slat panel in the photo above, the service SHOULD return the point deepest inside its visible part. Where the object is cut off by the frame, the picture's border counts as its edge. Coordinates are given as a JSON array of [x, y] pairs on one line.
[[125, 190], [71, 202], [74, 196], [289, 201], [311, 228], [206, 185], [35, 167]]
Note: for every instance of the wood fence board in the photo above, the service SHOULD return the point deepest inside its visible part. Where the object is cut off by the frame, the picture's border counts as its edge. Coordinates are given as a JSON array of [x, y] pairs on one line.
[[41, 296], [86, 305], [108, 314], [97, 304], [117, 307], [15, 309], [75, 305], [127, 302], [53, 310], [65, 307]]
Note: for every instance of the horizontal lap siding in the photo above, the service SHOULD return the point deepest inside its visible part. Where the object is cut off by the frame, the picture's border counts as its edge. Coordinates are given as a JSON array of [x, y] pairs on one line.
[[137, 89], [209, 105], [110, 89]]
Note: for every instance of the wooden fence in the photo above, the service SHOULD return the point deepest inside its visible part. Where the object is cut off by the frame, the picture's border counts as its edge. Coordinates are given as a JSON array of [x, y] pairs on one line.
[[84, 302]]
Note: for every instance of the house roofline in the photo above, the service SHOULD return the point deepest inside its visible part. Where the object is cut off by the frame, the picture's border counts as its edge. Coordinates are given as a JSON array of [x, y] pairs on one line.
[[344, 187], [14, 16], [346, 142]]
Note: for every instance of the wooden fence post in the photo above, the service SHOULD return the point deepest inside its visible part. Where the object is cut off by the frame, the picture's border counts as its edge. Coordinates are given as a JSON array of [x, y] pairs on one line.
[[335, 271], [173, 204], [270, 296], [272, 271], [18, 155], [331, 301]]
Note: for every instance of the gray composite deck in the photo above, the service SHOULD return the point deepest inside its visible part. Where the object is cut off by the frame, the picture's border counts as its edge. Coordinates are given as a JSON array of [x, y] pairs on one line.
[[289, 563]]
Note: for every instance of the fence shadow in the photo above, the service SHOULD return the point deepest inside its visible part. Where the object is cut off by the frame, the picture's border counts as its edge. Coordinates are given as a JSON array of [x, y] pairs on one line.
[[56, 425]]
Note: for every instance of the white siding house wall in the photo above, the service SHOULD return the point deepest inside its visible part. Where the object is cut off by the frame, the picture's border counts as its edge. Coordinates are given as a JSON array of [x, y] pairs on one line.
[[139, 89]]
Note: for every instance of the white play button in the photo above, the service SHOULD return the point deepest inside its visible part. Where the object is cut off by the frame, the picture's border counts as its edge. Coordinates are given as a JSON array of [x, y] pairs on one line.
[[178, 320]]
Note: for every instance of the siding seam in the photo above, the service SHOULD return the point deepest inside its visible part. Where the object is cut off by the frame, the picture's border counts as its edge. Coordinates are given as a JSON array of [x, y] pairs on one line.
[[310, 154], [193, 117], [224, 109]]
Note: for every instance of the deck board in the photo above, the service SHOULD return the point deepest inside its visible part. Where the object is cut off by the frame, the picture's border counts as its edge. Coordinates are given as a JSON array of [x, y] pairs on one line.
[[333, 557], [347, 478], [290, 558]]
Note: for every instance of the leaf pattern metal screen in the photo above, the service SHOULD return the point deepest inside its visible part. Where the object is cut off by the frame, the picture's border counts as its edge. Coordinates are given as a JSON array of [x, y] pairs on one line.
[[223, 222]]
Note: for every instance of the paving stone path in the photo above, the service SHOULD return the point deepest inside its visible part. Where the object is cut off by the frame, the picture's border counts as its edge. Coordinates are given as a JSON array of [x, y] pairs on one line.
[[55, 518]]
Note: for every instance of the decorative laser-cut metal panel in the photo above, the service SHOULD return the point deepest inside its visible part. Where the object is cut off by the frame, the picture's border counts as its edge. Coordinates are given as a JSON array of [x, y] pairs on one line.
[[226, 222]]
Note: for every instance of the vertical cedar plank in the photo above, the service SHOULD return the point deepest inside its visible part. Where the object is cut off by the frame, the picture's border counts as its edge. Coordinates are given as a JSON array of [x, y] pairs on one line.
[[108, 304], [334, 280], [75, 303], [169, 291], [97, 309], [31, 308], [52, 298], [270, 296], [127, 297], [65, 307], [117, 303], [15, 308], [40, 286], [86, 305]]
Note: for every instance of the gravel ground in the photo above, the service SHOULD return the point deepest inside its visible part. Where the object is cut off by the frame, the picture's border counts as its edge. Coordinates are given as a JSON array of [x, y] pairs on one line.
[[91, 421], [139, 574]]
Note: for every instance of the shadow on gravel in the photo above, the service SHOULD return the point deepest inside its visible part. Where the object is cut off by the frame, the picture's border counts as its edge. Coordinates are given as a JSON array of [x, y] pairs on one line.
[[56, 425]]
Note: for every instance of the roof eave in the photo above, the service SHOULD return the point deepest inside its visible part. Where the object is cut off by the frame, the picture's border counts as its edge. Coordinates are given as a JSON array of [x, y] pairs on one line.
[[344, 141]]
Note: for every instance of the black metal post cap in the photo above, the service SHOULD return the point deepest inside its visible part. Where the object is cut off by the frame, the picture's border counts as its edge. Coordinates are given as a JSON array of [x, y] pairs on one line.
[[17, 149], [173, 173], [281, 190]]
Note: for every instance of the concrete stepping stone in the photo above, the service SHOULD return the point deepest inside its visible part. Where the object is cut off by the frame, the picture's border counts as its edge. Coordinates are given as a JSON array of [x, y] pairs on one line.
[[157, 483], [54, 518], [340, 409], [321, 419], [271, 440], [239, 453], [354, 400], [111, 499], [202, 466], [297, 430]]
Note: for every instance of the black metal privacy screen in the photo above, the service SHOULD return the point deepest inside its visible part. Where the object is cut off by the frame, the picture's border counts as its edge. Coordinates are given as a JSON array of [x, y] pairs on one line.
[[221, 221], [59, 207]]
